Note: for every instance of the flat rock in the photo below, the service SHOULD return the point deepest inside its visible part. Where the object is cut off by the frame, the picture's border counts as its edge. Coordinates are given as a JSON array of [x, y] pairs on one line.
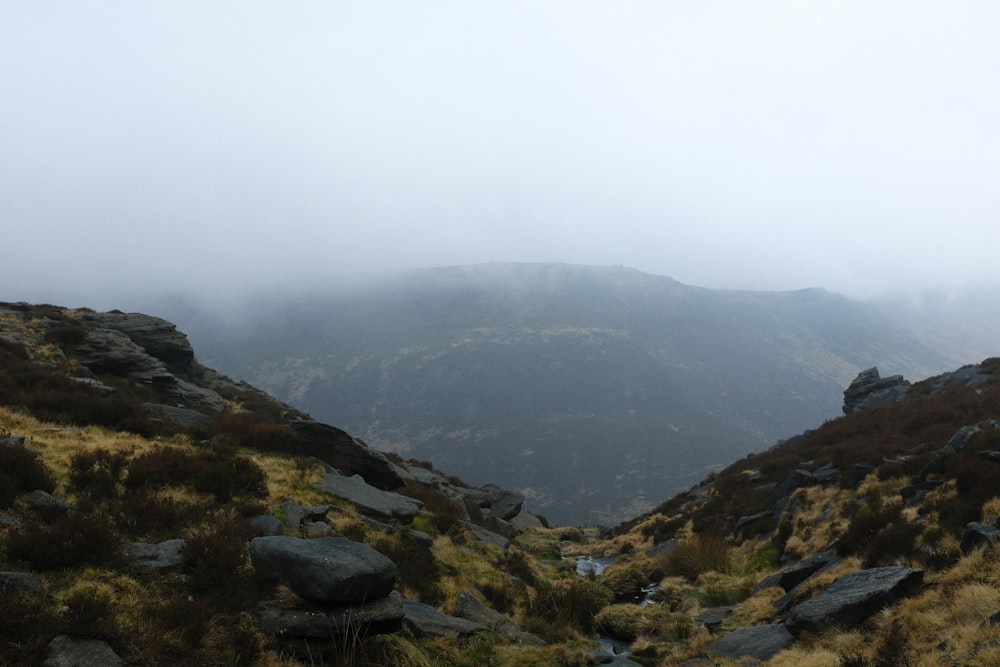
[[977, 534], [379, 616], [471, 609], [186, 418], [331, 570], [854, 597], [47, 504], [486, 537], [370, 501], [73, 652], [12, 583], [165, 555], [425, 621], [794, 575], [267, 524], [714, 617], [762, 642]]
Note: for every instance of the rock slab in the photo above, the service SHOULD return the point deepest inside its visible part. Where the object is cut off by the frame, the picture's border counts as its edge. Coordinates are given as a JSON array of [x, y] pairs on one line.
[[854, 597], [762, 642], [425, 621], [73, 652], [369, 500]]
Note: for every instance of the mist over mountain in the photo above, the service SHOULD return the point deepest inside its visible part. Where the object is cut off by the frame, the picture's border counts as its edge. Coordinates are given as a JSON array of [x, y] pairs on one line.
[[595, 391]]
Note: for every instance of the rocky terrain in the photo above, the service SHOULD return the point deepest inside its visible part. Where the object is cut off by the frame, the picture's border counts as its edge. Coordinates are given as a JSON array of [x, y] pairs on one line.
[[153, 511]]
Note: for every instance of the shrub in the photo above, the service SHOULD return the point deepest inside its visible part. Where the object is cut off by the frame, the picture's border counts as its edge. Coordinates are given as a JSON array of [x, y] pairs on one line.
[[213, 472], [418, 570], [148, 512], [27, 625], [221, 575], [879, 535], [94, 474], [22, 471], [67, 333], [445, 513], [71, 540], [697, 555], [571, 604], [628, 622], [89, 611], [626, 583]]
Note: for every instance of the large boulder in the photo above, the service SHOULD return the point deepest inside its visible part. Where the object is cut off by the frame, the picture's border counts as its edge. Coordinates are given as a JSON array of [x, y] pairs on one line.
[[761, 642], [369, 500], [350, 455], [854, 597], [329, 570]]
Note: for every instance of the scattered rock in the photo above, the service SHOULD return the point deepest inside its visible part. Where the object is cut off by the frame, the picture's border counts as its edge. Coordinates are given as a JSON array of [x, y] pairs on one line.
[[486, 537], [165, 555], [761, 642], [425, 621], [14, 441], [370, 501], [977, 534], [420, 538], [331, 570], [186, 418], [854, 597], [73, 652], [267, 524], [46, 504], [295, 514], [795, 574], [95, 384], [665, 547], [19, 582], [714, 617], [525, 521]]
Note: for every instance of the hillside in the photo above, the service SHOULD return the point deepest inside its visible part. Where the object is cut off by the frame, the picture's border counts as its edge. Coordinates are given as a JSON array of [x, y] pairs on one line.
[[594, 391], [137, 531]]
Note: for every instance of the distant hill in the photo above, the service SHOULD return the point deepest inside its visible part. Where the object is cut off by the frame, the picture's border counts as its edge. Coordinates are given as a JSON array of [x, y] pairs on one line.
[[595, 391]]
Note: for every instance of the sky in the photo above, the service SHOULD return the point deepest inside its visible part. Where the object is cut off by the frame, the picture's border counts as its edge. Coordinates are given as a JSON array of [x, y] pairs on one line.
[[219, 147]]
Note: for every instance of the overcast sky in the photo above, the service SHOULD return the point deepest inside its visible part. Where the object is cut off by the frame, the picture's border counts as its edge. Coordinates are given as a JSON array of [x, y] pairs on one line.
[[149, 147]]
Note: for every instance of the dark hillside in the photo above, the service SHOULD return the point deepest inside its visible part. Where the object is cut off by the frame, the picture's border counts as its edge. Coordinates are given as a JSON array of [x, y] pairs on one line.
[[593, 390]]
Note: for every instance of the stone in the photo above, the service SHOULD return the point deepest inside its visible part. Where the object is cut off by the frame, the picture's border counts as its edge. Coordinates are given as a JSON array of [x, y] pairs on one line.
[[471, 609], [795, 574], [425, 621], [382, 615], [12, 583], [761, 642], [665, 547], [525, 521], [74, 652], [95, 384], [165, 555], [267, 524], [713, 617], [486, 537], [369, 500], [976, 535], [331, 570], [507, 506], [419, 538], [854, 597], [46, 504], [295, 514], [157, 337], [13, 441]]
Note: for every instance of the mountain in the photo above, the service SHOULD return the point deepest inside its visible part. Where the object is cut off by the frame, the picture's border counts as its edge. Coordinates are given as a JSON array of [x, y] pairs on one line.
[[594, 391]]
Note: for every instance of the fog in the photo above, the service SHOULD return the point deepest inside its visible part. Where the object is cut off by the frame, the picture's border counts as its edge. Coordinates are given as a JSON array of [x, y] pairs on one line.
[[194, 148]]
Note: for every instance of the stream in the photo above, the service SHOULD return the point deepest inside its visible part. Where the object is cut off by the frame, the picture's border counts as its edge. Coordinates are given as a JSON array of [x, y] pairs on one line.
[[587, 566]]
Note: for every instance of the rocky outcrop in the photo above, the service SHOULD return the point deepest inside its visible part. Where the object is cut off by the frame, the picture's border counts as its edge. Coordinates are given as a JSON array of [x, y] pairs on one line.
[[350, 455], [369, 500], [159, 338], [166, 555], [868, 388], [761, 642], [330, 570], [854, 597], [425, 621], [470, 608], [75, 652], [795, 574]]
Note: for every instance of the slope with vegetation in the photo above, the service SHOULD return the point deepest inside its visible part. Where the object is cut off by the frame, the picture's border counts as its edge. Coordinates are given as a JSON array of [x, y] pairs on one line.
[[130, 524], [595, 391]]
